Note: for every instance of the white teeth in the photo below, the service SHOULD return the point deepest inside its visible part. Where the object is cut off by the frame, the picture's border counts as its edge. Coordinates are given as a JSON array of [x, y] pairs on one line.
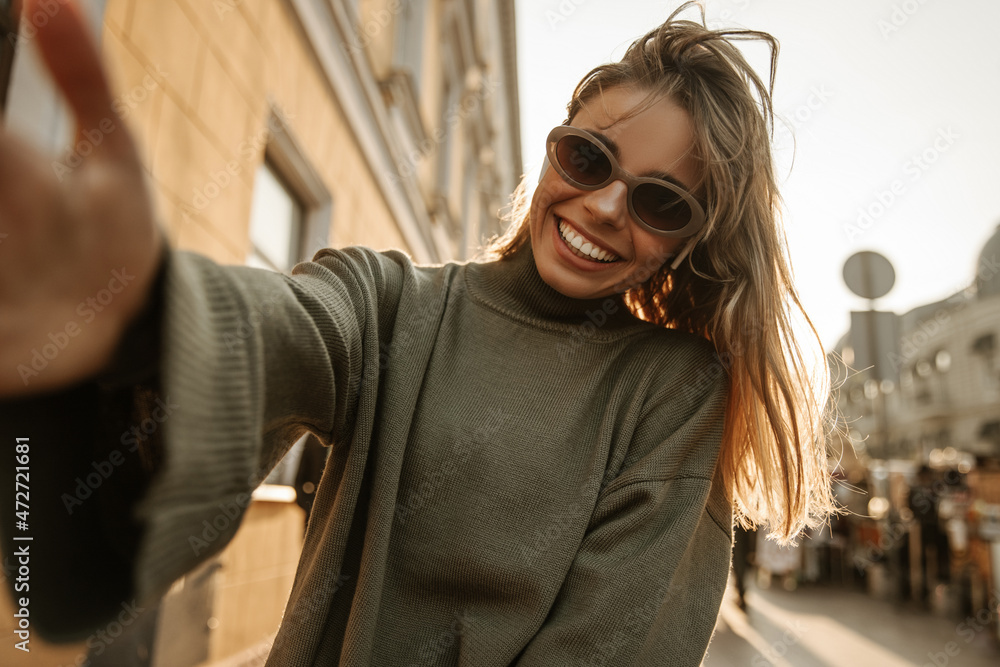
[[584, 248]]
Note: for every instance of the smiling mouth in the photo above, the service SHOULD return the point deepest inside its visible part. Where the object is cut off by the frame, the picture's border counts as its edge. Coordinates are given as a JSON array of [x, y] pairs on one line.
[[583, 248]]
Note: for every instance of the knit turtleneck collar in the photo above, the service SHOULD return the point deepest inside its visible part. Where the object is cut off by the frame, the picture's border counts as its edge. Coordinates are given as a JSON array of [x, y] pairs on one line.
[[513, 286]]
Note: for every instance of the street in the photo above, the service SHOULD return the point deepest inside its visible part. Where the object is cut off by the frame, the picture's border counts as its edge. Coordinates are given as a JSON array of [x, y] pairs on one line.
[[818, 626]]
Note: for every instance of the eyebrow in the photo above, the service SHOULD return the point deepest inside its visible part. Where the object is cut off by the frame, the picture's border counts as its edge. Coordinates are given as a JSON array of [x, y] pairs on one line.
[[616, 151]]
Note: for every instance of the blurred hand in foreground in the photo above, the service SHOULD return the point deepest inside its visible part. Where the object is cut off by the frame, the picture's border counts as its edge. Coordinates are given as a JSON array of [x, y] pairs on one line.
[[78, 250]]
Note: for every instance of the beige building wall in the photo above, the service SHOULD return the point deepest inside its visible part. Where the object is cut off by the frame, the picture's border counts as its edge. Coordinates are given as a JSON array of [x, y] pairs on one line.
[[198, 83], [454, 105]]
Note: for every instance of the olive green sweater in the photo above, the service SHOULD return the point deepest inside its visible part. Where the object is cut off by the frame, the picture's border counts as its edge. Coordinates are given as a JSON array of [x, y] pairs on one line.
[[516, 477]]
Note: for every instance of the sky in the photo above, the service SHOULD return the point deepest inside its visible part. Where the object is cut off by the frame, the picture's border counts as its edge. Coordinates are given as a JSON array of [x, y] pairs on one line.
[[893, 106]]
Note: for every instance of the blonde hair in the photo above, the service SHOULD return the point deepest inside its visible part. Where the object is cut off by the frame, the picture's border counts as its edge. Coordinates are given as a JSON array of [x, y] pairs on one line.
[[735, 287]]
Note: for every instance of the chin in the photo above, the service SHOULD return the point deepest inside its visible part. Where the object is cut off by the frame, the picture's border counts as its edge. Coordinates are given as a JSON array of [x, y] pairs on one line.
[[568, 286], [558, 270]]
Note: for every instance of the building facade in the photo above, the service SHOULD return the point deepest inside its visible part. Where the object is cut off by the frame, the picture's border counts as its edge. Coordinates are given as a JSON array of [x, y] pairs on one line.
[[947, 362], [270, 129], [924, 423]]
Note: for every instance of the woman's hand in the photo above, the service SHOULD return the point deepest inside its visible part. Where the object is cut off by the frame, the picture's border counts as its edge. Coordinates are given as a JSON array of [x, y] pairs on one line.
[[78, 250]]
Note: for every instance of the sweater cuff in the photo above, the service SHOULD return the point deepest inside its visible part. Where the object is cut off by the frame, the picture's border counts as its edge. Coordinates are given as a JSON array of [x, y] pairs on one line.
[[85, 473]]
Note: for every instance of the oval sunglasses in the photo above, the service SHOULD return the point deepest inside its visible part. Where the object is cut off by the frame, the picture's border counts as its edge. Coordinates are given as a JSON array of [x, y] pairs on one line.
[[658, 206]]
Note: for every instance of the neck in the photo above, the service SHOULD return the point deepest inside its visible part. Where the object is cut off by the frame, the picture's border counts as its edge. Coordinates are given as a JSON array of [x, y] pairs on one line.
[[513, 285]]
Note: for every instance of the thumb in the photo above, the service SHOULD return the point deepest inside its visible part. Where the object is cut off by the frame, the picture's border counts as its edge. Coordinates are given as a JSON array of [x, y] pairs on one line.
[[71, 54]]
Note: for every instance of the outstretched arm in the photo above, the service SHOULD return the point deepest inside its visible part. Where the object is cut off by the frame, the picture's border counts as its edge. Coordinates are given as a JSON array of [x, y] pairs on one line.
[[152, 425]]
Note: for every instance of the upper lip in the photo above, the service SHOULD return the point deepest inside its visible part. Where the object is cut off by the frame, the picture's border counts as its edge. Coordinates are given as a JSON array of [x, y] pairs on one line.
[[576, 228]]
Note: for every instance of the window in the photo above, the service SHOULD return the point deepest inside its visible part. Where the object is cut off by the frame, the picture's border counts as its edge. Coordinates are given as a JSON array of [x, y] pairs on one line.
[[276, 216], [291, 208], [988, 367], [984, 345]]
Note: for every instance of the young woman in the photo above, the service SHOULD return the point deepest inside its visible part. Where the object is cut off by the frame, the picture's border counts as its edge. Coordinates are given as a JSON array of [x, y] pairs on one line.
[[535, 460]]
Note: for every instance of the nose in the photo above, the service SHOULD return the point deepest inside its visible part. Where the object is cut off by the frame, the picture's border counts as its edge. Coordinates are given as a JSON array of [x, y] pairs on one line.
[[608, 205]]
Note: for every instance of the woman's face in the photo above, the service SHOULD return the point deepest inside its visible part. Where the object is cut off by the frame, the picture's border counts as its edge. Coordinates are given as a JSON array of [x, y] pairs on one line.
[[658, 140]]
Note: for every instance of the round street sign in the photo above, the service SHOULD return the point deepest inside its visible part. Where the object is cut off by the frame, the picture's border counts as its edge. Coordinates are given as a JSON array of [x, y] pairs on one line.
[[869, 274]]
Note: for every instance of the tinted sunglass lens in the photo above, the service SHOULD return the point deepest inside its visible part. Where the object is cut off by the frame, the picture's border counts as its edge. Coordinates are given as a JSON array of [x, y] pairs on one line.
[[660, 207], [582, 160]]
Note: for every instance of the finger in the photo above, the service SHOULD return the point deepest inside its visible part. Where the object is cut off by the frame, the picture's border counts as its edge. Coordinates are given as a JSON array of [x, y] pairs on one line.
[[24, 173], [72, 56]]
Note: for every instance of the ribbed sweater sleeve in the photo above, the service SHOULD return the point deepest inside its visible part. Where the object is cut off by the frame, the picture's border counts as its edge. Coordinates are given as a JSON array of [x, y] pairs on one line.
[[252, 360], [647, 581], [211, 384]]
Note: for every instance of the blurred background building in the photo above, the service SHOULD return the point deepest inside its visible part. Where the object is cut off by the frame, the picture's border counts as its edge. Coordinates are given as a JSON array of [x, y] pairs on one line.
[[948, 369], [270, 129], [921, 441]]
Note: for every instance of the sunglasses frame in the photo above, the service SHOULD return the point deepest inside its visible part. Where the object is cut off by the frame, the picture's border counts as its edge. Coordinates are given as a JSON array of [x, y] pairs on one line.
[[692, 227]]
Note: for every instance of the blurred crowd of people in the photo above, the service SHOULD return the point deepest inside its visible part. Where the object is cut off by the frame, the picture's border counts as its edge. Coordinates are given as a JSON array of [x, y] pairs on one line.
[[923, 535]]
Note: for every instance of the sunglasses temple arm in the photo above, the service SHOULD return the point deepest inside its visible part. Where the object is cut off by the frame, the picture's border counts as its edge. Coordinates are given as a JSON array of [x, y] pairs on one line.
[[683, 253]]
